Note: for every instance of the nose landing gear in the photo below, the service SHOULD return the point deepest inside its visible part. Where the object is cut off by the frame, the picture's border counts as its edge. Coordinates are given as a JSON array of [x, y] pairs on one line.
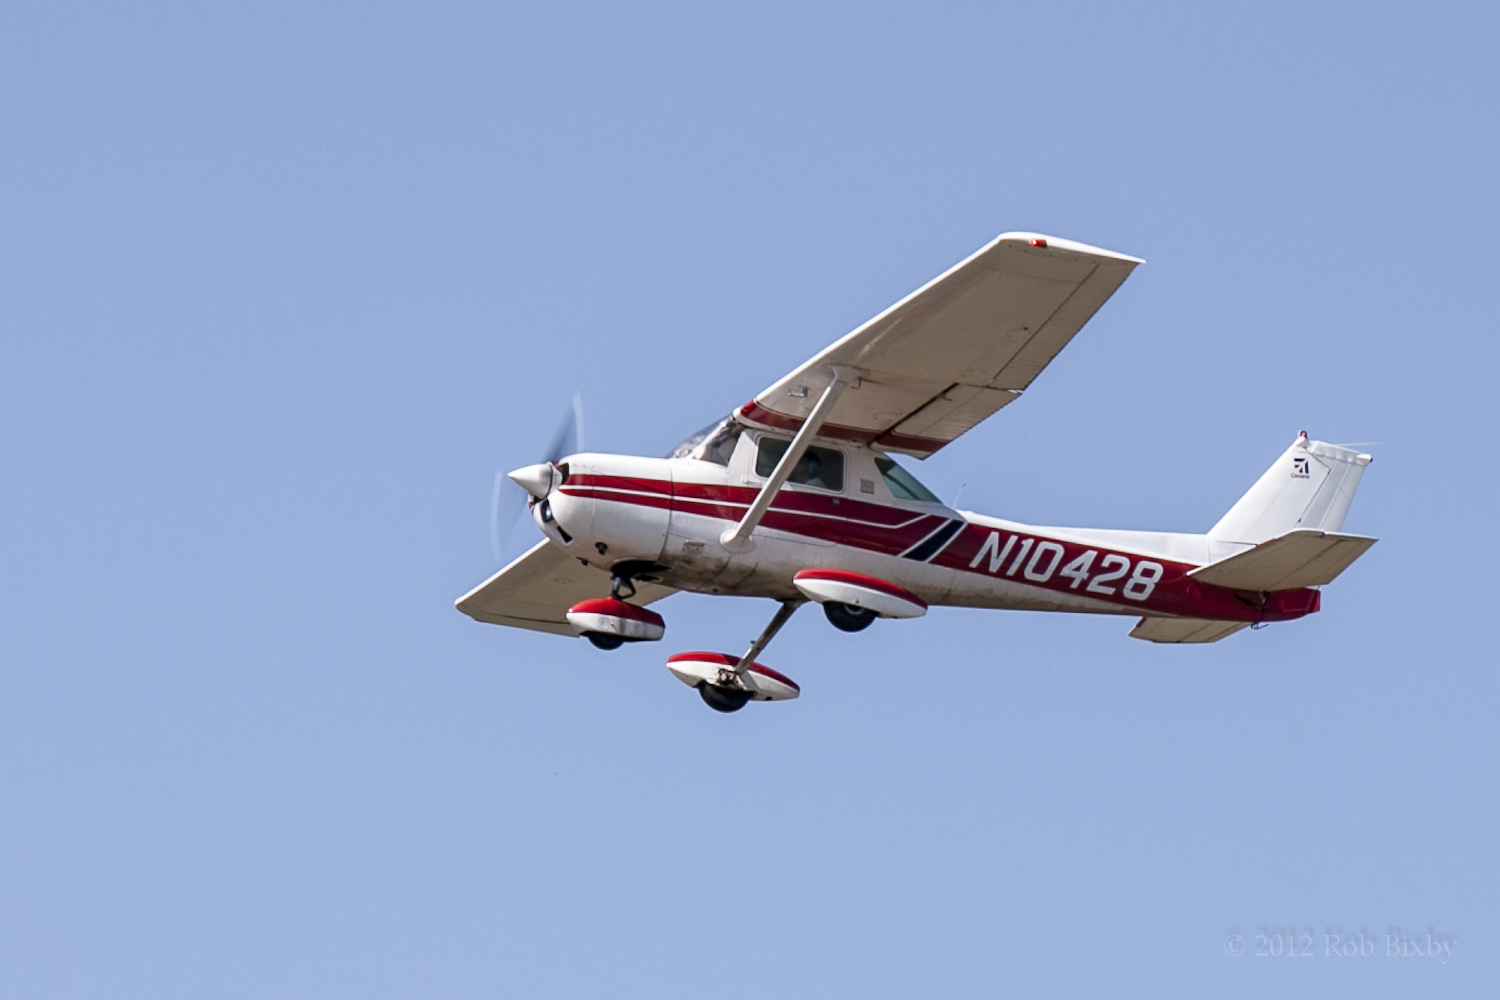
[[609, 622]]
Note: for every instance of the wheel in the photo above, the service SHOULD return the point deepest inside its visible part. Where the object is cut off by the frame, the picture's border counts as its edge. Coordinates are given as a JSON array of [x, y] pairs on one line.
[[604, 641], [848, 618], [723, 699]]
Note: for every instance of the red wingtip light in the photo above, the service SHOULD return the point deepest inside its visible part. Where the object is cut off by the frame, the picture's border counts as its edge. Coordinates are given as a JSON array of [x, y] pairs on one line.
[[1039, 243]]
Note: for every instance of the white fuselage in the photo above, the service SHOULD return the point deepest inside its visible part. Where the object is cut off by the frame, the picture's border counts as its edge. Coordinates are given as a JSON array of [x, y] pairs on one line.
[[661, 520]]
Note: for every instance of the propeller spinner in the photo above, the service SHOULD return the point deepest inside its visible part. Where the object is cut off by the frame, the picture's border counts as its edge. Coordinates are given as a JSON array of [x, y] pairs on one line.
[[534, 480], [537, 480]]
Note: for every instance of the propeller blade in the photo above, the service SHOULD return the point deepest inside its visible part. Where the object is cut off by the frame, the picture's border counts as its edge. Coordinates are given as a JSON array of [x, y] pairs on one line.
[[571, 430], [509, 506], [495, 515], [508, 542]]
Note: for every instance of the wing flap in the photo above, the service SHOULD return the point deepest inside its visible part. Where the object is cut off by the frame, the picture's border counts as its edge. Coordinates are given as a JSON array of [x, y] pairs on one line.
[[1184, 630], [955, 411], [535, 591], [1301, 558]]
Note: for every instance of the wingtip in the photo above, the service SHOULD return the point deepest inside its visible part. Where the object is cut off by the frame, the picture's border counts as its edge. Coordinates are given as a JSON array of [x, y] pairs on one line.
[[1042, 241]]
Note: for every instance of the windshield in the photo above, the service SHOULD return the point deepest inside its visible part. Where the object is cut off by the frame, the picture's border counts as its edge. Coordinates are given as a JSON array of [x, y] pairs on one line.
[[714, 443], [902, 484]]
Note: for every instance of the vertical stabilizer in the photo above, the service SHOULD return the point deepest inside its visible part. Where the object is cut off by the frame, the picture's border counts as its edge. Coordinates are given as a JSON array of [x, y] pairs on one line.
[[1309, 486]]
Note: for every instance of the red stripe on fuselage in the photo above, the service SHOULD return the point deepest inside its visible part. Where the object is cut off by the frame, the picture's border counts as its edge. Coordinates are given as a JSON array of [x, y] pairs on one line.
[[621, 483], [892, 530], [802, 503], [619, 496], [1173, 593]]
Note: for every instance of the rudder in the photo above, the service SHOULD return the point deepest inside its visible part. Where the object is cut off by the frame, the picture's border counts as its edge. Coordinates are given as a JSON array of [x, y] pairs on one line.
[[1310, 486]]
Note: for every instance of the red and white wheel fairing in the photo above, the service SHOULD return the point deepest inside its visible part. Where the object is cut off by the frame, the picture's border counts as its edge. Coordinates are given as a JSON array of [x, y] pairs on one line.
[[763, 683], [840, 586], [609, 616]]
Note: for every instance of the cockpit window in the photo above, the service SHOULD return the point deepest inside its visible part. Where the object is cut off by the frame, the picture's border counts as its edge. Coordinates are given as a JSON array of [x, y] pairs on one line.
[[903, 484], [714, 443], [820, 467]]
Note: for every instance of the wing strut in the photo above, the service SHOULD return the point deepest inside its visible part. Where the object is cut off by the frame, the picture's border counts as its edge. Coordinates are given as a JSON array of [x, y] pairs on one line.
[[737, 538]]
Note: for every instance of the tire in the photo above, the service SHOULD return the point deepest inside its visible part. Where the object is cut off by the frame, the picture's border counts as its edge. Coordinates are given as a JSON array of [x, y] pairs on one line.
[[723, 699], [848, 618], [604, 641]]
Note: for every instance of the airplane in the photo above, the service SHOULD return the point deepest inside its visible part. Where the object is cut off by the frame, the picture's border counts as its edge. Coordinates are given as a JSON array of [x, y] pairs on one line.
[[795, 497]]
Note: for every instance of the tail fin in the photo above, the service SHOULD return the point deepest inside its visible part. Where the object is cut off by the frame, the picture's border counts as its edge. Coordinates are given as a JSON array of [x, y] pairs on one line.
[[1309, 486]]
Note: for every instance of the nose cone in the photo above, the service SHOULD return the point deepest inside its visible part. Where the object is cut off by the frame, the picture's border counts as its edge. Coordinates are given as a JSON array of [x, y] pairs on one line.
[[535, 479]]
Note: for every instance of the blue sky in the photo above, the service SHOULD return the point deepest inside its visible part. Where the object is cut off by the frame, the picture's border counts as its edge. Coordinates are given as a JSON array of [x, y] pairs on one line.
[[282, 286]]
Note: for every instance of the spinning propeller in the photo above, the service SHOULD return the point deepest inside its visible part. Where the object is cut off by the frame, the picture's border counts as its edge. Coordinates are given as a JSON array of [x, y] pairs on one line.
[[512, 497]]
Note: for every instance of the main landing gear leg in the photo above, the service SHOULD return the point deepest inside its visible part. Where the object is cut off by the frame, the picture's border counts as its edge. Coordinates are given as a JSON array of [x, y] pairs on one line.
[[783, 615], [728, 693]]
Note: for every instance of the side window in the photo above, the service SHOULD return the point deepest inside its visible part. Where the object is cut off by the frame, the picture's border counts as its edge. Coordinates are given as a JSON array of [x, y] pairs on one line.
[[820, 467], [903, 484]]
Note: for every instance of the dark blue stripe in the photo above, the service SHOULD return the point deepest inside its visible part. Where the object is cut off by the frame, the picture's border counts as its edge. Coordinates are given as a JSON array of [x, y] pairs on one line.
[[934, 542]]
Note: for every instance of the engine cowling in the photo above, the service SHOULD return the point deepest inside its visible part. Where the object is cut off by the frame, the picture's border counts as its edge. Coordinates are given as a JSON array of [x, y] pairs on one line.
[[611, 509]]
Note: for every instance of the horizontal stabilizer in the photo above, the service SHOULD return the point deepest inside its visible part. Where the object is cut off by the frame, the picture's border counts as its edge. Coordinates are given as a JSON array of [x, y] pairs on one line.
[[1184, 630], [1302, 558]]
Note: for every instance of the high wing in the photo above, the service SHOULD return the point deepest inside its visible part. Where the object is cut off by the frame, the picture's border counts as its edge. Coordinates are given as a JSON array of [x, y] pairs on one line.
[[537, 590], [954, 351]]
